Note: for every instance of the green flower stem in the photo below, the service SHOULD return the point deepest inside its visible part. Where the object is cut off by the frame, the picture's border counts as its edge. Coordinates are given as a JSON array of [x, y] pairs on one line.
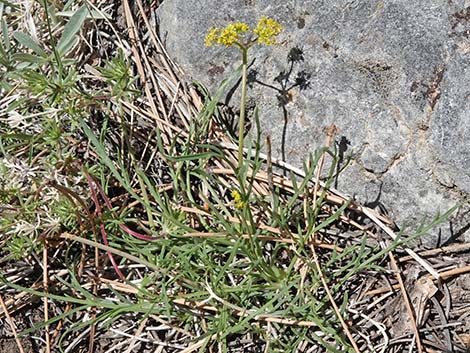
[[241, 123], [233, 34]]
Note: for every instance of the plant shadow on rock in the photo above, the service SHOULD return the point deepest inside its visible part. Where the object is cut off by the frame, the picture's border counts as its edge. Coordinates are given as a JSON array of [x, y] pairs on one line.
[[457, 229], [376, 203], [283, 85], [342, 147]]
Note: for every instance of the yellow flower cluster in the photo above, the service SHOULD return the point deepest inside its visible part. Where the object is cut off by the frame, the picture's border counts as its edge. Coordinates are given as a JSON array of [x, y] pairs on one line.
[[266, 30], [226, 36], [237, 199]]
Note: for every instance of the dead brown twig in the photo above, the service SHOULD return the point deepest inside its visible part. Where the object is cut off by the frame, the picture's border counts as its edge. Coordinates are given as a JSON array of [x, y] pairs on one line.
[[411, 313], [12, 325]]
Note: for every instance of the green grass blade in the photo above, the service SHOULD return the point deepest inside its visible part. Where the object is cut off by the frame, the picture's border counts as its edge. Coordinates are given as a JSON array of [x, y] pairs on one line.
[[100, 150]]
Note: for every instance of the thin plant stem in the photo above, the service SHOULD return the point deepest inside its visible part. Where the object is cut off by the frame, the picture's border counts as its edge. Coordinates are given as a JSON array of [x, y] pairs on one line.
[[241, 123]]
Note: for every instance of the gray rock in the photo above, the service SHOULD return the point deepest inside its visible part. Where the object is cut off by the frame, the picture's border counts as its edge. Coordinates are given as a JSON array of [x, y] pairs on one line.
[[392, 75]]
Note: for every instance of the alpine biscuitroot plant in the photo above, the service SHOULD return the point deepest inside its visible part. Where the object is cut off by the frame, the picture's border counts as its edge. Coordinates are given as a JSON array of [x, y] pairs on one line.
[[238, 34]]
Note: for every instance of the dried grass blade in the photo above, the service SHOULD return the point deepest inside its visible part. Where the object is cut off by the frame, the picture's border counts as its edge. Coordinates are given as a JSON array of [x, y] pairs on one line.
[[410, 252]]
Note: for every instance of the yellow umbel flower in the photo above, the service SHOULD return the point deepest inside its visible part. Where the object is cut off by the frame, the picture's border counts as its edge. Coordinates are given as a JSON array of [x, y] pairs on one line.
[[212, 36], [266, 30], [226, 36], [237, 199]]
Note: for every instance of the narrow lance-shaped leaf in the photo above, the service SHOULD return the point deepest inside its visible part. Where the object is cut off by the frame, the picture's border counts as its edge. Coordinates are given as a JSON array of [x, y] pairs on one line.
[[97, 15], [6, 39], [27, 41], [71, 29], [68, 46], [29, 58]]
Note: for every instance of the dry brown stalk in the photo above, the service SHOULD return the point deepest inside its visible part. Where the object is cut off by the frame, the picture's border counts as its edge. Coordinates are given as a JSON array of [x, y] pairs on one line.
[[457, 271], [443, 275], [244, 313], [136, 335], [134, 38], [198, 344], [409, 309], [12, 325], [443, 250], [426, 265]]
